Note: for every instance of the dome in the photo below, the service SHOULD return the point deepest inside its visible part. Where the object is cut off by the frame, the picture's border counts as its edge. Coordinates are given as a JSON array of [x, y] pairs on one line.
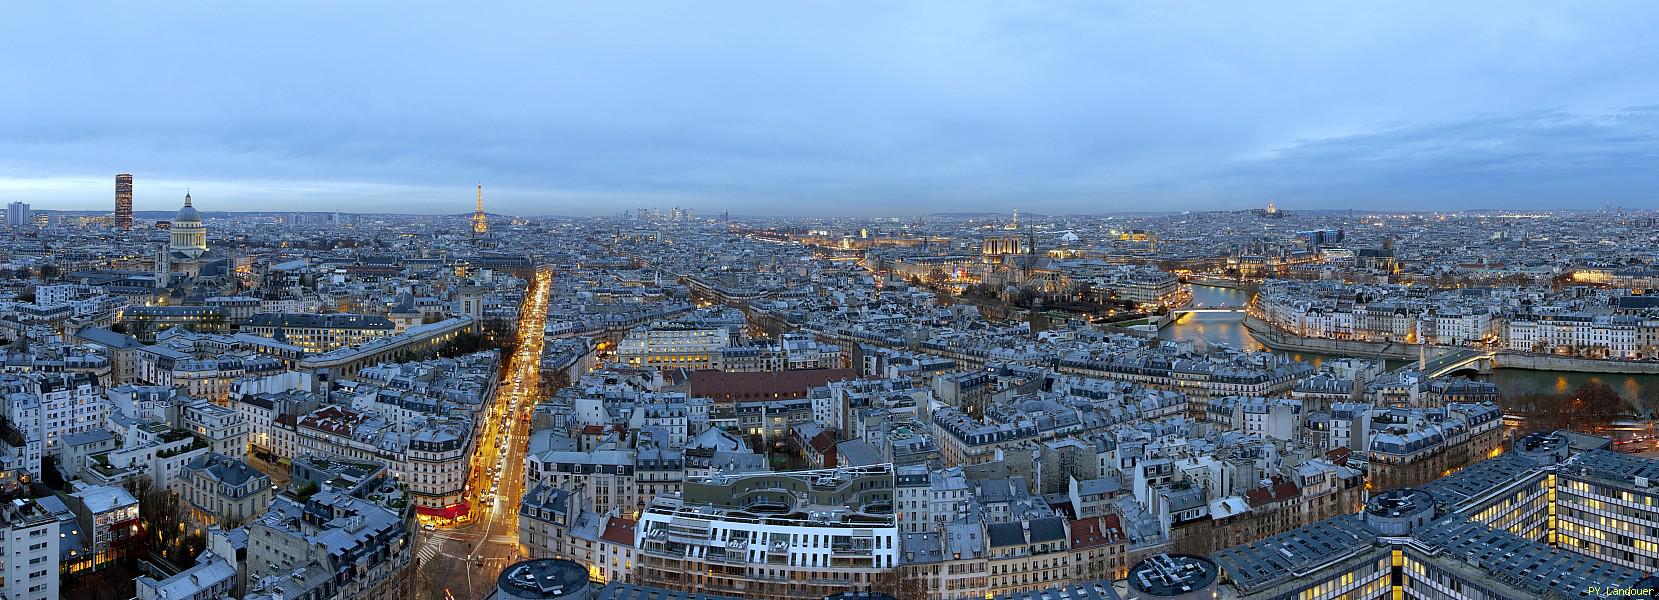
[[188, 213]]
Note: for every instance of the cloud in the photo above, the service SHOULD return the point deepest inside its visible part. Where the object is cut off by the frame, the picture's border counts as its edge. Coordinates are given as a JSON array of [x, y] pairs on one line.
[[1540, 158], [827, 108]]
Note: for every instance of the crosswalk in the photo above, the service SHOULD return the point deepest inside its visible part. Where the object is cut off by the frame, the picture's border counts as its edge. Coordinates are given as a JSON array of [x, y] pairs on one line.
[[427, 551], [432, 549], [432, 544]]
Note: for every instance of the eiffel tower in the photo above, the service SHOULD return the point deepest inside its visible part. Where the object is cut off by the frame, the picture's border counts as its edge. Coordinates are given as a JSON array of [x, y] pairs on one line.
[[480, 223]]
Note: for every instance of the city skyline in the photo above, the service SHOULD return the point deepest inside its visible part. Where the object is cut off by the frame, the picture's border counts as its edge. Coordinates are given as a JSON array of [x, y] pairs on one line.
[[927, 300], [850, 110]]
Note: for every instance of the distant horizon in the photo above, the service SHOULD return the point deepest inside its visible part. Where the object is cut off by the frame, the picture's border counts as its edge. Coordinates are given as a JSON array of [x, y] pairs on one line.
[[961, 214]]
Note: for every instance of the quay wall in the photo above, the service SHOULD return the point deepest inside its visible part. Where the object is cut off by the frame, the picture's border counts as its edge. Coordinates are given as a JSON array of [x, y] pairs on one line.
[[1276, 339]]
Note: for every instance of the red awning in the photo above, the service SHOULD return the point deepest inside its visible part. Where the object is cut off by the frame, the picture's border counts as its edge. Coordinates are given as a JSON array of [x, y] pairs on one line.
[[447, 512]]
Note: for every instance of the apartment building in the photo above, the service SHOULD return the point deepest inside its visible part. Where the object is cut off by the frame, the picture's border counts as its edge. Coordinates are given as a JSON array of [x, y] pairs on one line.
[[317, 333], [664, 345], [781, 535], [222, 491], [330, 546], [29, 539]]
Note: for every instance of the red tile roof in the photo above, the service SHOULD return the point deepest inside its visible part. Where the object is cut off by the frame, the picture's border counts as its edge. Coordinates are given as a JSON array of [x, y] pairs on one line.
[[822, 442], [722, 386], [333, 419], [1278, 490], [1339, 455], [619, 530], [1096, 531]]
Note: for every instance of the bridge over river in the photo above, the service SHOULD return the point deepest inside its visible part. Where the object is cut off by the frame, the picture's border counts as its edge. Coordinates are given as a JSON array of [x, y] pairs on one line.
[[1451, 360]]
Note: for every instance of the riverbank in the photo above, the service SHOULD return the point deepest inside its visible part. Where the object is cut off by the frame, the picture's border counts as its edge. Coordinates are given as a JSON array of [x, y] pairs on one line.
[[1276, 339], [1546, 362], [1222, 282]]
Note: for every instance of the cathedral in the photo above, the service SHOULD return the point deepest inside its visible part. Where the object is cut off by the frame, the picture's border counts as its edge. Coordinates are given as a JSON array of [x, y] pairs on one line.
[[186, 254]]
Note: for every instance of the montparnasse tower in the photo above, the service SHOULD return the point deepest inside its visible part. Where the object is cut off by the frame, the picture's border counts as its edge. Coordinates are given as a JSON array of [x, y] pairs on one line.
[[480, 223]]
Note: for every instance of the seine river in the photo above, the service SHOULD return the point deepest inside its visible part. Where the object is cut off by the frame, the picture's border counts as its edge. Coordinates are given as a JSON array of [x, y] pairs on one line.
[[1228, 328]]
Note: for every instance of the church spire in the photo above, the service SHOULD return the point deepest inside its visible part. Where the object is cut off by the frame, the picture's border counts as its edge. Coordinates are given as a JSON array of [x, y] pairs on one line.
[[187, 196]]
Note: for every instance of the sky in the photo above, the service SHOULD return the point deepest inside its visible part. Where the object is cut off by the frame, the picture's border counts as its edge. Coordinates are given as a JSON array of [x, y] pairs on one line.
[[841, 108]]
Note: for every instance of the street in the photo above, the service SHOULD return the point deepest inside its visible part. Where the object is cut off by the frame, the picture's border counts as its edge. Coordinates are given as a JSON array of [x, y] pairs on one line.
[[462, 561]]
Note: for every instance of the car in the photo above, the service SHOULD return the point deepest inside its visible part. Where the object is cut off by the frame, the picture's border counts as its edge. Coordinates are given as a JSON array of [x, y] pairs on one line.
[[428, 527]]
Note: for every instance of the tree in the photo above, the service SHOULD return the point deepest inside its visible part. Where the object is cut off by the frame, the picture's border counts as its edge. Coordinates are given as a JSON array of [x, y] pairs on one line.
[[306, 490], [1648, 403], [49, 474], [1596, 403], [904, 583], [165, 530], [465, 343], [1081, 292], [1589, 408], [559, 379]]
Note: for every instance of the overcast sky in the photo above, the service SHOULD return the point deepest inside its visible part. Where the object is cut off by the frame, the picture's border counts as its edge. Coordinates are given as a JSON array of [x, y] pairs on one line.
[[830, 108]]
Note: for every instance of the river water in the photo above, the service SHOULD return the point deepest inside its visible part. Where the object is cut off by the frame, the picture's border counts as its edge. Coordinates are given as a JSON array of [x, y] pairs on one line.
[[1228, 328]]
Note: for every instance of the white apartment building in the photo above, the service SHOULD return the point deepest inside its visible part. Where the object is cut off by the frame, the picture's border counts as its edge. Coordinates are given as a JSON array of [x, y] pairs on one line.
[[668, 346], [224, 429], [1460, 326], [29, 543], [44, 407], [1609, 336], [604, 478], [772, 535]]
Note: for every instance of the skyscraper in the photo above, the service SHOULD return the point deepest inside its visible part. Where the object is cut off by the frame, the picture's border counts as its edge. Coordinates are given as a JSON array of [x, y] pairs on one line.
[[123, 200], [17, 215], [480, 225]]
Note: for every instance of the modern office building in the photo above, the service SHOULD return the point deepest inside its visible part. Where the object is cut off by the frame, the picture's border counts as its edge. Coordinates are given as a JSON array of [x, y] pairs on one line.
[[783, 535], [18, 215], [146, 321], [671, 345], [1551, 518], [123, 200], [318, 333]]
